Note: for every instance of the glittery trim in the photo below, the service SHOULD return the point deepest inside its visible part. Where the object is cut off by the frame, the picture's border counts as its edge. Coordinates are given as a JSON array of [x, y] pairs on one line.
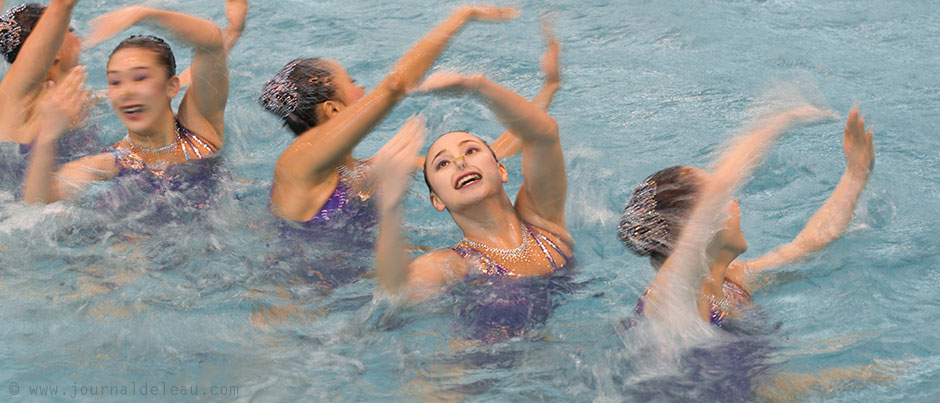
[[280, 95], [641, 227], [10, 30]]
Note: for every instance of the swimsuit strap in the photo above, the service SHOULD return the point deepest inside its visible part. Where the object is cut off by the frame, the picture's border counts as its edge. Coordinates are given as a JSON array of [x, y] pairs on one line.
[[194, 147], [541, 239]]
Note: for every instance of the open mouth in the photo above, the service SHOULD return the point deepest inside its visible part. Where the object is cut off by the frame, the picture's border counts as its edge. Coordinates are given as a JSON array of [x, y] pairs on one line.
[[468, 179], [132, 111]]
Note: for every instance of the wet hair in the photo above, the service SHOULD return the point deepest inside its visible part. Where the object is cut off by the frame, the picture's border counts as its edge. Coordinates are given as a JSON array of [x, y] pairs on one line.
[[425, 170], [294, 92], [657, 211], [154, 44], [15, 26]]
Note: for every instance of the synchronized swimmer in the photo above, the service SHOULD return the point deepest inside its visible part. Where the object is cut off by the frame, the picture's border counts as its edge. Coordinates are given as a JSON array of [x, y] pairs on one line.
[[684, 219]]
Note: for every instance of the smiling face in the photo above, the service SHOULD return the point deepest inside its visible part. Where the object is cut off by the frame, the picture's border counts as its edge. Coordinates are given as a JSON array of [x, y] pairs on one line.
[[139, 88], [461, 171]]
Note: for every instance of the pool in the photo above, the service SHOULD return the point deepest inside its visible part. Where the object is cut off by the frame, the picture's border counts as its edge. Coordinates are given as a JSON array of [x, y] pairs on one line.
[[105, 305]]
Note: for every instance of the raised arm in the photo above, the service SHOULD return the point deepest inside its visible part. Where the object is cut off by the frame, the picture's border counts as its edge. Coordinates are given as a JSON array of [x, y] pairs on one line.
[[25, 77], [202, 108], [396, 270], [58, 110], [830, 221], [682, 272], [313, 157], [508, 144], [235, 12]]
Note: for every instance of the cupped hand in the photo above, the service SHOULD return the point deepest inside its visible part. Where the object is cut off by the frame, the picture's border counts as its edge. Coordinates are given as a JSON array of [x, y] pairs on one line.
[[106, 26], [64, 103], [489, 13], [857, 144], [393, 163]]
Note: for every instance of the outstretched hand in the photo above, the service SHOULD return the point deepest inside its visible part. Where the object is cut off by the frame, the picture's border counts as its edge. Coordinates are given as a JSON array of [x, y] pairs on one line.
[[64, 103], [489, 13], [807, 114], [394, 162], [446, 82], [857, 145], [108, 25]]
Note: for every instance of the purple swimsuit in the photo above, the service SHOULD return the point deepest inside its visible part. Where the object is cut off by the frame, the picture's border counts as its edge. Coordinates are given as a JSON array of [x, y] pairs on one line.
[[735, 296]]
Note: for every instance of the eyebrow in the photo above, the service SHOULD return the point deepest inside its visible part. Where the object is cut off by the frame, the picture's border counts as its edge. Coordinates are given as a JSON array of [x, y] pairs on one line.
[[458, 144], [130, 69]]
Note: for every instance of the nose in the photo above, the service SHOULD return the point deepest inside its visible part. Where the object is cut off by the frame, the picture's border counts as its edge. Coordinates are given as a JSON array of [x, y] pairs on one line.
[[460, 162]]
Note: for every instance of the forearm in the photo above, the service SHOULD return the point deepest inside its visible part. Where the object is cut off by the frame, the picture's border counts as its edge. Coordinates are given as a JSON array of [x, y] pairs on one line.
[[40, 185], [526, 120], [317, 151], [413, 64], [508, 144], [198, 32], [391, 259]]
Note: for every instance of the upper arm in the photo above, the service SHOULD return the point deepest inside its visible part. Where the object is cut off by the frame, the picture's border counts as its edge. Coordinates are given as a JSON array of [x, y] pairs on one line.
[[433, 272], [544, 182], [205, 99], [76, 175]]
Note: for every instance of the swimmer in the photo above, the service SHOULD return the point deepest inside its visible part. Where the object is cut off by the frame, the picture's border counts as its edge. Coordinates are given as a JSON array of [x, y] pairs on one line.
[[40, 47], [316, 177], [141, 84], [501, 239], [670, 218]]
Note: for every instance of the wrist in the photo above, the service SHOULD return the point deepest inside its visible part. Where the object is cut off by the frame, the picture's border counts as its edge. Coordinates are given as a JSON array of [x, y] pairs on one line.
[[475, 82]]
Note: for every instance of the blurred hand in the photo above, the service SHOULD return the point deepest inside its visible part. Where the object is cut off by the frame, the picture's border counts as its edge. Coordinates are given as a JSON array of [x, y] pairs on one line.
[[488, 13], [550, 57], [446, 82], [857, 145], [394, 162], [64, 103], [106, 26]]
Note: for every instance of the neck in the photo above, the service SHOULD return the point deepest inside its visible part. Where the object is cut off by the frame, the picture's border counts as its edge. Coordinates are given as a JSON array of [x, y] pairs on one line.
[[493, 222], [161, 134]]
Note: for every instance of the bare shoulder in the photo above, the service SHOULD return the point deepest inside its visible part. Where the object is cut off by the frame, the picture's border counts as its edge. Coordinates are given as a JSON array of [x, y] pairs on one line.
[[438, 268]]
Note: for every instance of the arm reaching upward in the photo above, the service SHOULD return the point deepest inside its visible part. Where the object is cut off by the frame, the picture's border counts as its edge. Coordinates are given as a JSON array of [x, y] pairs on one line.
[[830, 221], [682, 273], [508, 144], [26, 76], [58, 110]]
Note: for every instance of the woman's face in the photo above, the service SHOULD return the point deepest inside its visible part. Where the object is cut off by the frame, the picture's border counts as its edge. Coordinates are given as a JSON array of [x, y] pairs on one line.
[[347, 91], [139, 89], [462, 171], [67, 58]]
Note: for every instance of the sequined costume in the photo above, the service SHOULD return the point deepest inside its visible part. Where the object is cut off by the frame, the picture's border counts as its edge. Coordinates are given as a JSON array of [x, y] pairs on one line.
[[166, 191], [335, 246], [189, 145], [494, 305], [490, 267], [734, 296]]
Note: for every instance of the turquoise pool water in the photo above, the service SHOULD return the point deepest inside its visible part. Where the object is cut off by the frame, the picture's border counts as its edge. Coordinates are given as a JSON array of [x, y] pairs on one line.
[[95, 298]]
